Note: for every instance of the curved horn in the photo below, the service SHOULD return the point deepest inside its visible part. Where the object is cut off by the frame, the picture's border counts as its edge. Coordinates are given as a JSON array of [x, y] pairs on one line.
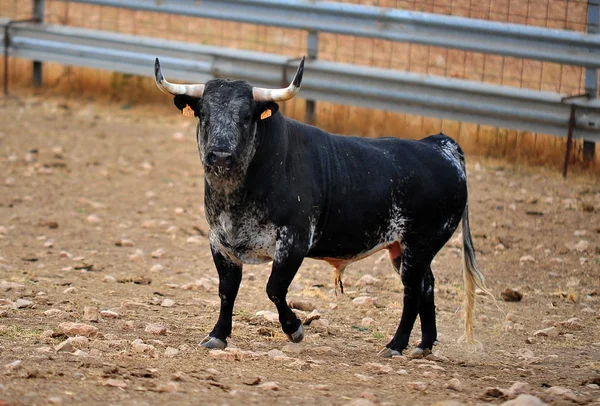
[[175, 89], [264, 94]]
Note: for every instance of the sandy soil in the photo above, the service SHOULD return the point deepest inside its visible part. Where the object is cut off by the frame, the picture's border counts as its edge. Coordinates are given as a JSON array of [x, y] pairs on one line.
[[101, 206]]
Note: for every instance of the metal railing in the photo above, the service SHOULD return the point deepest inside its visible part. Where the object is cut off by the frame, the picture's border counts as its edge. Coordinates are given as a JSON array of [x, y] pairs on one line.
[[502, 106]]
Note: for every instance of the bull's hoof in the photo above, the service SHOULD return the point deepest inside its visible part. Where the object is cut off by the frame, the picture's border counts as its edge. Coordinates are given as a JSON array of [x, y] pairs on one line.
[[297, 336], [388, 353], [419, 353], [213, 343]]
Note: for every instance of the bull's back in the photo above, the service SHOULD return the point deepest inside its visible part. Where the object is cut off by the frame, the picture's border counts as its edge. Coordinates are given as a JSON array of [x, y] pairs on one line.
[[380, 189]]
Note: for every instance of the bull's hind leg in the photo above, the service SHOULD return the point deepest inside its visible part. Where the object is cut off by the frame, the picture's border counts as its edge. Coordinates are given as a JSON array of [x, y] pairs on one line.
[[427, 314]]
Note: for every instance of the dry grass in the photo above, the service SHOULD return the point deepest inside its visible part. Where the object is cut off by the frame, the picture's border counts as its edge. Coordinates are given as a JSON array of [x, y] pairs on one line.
[[516, 145]]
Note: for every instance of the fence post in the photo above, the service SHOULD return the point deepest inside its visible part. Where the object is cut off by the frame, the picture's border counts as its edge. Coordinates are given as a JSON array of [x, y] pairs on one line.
[[591, 74], [312, 50], [38, 14]]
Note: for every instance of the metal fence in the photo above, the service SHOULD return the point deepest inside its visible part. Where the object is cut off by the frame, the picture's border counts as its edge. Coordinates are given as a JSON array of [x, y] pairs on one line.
[[398, 40]]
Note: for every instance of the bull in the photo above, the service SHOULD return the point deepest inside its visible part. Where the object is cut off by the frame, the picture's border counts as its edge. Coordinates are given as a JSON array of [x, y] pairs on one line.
[[279, 190]]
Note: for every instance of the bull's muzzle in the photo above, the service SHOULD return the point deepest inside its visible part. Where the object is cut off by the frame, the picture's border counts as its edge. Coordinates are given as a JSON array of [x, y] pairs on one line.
[[219, 162]]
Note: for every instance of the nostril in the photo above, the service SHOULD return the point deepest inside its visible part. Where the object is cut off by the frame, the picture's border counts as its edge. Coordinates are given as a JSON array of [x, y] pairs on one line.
[[212, 158], [229, 161]]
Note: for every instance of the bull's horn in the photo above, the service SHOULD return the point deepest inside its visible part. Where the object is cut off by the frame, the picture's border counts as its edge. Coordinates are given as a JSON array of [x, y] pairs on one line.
[[263, 94], [175, 89]]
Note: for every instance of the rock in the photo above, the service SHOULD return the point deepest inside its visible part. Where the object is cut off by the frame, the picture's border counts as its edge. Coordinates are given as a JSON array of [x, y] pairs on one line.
[[180, 376], [80, 353], [312, 316], [527, 258], [109, 279], [171, 352], [437, 356], [70, 289], [91, 313], [78, 329], [13, 366], [93, 219], [53, 313], [47, 334], [124, 242], [455, 384], [525, 400], [321, 325], [495, 392], [511, 295], [220, 354], [581, 246], [378, 368], [276, 354], [157, 268], [518, 388], [573, 323], [274, 386], [55, 400], [156, 328], [364, 301], [269, 315], [195, 239], [418, 385], [168, 303], [293, 348], [301, 304], [65, 346], [116, 383], [109, 314], [79, 342], [159, 253], [202, 283], [168, 387], [139, 347], [367, 322], [23, 304], [546, 332], [367, 280], [561, 392], [364, 378]]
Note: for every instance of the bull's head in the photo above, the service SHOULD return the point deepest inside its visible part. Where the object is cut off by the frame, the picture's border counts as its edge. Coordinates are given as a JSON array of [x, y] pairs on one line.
[[228, 112]]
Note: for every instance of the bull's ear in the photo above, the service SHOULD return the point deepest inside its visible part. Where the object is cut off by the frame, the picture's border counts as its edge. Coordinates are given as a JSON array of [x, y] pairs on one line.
[[185, 102], [264, 110]]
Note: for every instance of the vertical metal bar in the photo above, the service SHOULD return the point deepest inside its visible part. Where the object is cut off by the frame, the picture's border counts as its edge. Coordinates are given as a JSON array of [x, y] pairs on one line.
[[38, 15], [569, 139], [591, 74], [312, 50]]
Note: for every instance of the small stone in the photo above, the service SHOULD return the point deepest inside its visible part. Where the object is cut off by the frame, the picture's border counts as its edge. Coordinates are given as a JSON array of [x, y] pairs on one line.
[[93, 219], [292, 348], [312, 316], [272, 386], [55, 400], [364, 301], [168, 303], [546, 332], [301, 304], [455, 384], [79, 342], [180, 376], [71, 289], [47, 334], [91, 313], [269, 315], [23, 304], [367, 322], [195, 239], [78, 329], [321, 325], [109, 314], [53, 313], [511, 295], [561, 392], [369, 396], [418, 385], [159, 253], [437, 356], [361, 402], [573, 323], [582, 246], [80, 353], [157, 268], [13, 366], [155, 328], [65, 346], [116, 383], [367, 280], [518, 388], [171, 352], [124, 242], [495, 392], [274, 353], [525, 400], [378, 368], [109, 279], [203, 283], [140, 347], [527, 258]]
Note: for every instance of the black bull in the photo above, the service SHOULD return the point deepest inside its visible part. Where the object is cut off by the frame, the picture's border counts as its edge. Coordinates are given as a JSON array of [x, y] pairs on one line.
[[280, 190]]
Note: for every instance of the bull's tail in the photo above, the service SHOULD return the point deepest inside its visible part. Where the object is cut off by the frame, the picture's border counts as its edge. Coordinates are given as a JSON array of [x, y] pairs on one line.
[[472, 276]]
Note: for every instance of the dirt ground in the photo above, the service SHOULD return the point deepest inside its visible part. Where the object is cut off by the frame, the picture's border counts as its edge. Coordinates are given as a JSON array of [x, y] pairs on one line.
[[101, 206]]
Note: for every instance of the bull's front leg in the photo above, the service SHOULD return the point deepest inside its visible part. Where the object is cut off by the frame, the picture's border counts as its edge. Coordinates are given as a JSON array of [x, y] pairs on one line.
[[230, 277], [289, 254]]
